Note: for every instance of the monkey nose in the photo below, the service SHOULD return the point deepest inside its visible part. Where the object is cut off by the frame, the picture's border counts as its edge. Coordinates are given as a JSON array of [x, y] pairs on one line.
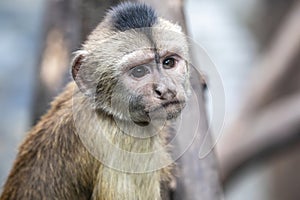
[[164, 93]]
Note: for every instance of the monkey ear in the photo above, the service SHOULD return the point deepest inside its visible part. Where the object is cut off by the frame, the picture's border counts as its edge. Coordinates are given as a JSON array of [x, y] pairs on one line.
[[77, 62], [77, 72]]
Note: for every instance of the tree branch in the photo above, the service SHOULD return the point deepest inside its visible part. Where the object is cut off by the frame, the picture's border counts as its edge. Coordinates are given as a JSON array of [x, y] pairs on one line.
[[270, 117]]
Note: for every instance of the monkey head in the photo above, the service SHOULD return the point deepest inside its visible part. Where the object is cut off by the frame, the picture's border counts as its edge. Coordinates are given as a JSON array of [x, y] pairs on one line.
[[134, 65]]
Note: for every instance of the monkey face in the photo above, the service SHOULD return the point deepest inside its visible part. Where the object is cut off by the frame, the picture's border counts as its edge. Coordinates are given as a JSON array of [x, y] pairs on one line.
[[155, 87]]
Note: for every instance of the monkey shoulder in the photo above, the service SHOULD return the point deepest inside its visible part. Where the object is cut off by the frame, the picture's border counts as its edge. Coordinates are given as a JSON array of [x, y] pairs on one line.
[[52, 162]]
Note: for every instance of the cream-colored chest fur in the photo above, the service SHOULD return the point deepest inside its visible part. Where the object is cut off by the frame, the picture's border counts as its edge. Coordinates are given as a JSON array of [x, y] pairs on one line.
[[115, 185]]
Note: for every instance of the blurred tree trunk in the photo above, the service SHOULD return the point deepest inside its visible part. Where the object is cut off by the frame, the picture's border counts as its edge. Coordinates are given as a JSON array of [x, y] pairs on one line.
[[62, 36]]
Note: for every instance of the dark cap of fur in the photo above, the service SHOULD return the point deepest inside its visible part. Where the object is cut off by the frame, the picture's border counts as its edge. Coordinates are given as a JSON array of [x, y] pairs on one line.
[[128, 15]]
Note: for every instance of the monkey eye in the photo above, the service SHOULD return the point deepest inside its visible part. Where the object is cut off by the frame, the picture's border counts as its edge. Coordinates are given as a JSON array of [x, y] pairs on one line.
[[169, 63], [139, 71]]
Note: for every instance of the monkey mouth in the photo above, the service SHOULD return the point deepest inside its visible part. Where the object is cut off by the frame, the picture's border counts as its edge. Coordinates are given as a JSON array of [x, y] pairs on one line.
[[176, 102], [169, 104], [168, 110]]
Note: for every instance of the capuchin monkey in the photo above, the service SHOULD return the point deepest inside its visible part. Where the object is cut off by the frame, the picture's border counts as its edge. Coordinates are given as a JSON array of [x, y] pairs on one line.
[[106, 136]]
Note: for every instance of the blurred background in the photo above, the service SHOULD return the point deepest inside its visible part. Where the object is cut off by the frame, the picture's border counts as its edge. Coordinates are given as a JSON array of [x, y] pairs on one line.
[[255, 46]]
